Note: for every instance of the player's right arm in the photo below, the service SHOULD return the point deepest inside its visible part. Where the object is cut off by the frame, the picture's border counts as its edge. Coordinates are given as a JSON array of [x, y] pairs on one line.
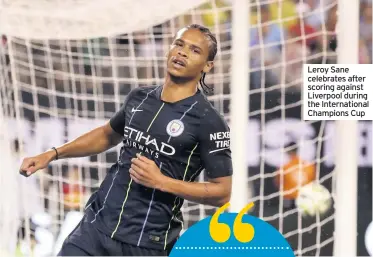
[[94, 142]]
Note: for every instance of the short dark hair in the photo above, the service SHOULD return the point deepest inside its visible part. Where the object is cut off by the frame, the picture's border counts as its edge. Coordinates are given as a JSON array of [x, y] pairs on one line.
[[213, 49], [213, 46]]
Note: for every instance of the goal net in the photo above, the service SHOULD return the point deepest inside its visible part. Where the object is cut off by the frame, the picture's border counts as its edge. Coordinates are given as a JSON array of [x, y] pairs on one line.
[[66, 72]]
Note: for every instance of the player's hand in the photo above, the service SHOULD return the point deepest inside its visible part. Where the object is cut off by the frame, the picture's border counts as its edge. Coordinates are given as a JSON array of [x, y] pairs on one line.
[[32, 164], [145, 172]]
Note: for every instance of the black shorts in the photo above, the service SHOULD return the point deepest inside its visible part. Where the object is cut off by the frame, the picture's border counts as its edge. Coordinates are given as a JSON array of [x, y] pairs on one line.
[[86, 240]]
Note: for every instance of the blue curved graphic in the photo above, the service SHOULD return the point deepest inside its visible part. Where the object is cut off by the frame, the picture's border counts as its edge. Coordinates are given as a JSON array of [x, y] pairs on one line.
[[267, 241]]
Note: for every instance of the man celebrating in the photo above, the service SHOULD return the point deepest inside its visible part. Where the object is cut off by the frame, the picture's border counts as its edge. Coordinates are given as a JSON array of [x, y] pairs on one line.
[[170, 134]]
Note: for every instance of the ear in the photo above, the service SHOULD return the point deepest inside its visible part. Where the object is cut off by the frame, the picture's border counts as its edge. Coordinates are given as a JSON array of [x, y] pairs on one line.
[[209, 65]]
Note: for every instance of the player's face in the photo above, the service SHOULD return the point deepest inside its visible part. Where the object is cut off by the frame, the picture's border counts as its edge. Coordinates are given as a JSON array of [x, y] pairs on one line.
[[187, 57]]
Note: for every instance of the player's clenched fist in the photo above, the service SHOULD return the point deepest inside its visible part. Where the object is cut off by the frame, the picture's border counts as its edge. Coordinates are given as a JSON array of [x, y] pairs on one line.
[[32, 164], [145, 172]]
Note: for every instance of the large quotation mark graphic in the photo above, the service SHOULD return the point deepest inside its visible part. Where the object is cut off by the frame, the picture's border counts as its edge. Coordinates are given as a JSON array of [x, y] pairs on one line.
[[220, 232]]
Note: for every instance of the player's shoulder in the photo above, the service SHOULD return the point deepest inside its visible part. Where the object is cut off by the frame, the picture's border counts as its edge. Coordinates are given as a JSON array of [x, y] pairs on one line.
[[140, 92], [209, 114]]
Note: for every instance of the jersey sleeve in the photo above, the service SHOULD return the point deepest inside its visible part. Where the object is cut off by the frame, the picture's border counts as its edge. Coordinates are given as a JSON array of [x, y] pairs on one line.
[[215, 146], [117, 122]]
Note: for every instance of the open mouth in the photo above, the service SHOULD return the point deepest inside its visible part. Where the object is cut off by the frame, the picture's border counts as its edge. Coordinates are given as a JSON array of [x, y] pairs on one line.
[[179, 62]]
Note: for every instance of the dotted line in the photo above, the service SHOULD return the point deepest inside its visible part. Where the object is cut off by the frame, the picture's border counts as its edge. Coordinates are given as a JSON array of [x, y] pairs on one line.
[[232, 248]]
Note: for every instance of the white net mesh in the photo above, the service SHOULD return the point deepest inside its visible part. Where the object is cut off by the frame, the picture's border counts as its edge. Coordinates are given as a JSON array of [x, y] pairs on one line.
[[54, 90], [81, 19]]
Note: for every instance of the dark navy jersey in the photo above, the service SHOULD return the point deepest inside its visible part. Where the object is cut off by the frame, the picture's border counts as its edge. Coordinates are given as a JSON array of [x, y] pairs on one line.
[[182, 138]]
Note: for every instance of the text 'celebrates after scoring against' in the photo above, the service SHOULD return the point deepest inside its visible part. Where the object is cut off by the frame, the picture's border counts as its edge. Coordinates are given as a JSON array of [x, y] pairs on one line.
[[337, 92]]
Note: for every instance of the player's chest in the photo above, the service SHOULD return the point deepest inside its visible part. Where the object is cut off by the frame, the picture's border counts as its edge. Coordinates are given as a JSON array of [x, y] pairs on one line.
[[167, 129]]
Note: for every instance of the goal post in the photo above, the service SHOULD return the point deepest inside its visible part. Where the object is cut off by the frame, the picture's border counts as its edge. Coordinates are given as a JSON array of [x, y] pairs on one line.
[[345, 242], [240, 87]]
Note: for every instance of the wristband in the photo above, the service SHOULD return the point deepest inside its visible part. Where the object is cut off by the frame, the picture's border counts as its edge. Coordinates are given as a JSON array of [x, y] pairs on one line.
[[54, 148]]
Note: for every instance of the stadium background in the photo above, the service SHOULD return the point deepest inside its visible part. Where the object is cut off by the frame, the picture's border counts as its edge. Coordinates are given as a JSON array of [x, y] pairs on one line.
[[88, 62]]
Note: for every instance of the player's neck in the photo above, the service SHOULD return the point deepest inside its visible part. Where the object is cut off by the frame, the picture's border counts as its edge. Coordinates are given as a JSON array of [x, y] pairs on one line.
[[174, 91]]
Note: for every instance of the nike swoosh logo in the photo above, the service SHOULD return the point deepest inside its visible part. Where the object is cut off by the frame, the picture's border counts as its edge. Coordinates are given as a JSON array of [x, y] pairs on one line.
[[135, 110], [218, 150]]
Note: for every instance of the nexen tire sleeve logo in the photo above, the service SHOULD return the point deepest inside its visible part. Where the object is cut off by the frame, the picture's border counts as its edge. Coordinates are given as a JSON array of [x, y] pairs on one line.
[[221, 139]]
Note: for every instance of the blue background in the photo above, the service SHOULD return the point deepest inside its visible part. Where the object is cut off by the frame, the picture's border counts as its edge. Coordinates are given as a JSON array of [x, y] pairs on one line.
[[267, 240]]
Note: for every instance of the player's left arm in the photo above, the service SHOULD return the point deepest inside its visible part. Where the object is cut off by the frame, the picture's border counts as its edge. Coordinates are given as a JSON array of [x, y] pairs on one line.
[[215, 153], [216, 192]]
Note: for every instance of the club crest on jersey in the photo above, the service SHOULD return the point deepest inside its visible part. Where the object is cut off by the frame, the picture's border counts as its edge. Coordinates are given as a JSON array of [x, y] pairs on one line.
[[175, 128]]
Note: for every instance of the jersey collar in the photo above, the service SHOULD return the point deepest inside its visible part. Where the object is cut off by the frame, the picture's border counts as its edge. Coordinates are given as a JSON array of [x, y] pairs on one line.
[[192, 98]]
